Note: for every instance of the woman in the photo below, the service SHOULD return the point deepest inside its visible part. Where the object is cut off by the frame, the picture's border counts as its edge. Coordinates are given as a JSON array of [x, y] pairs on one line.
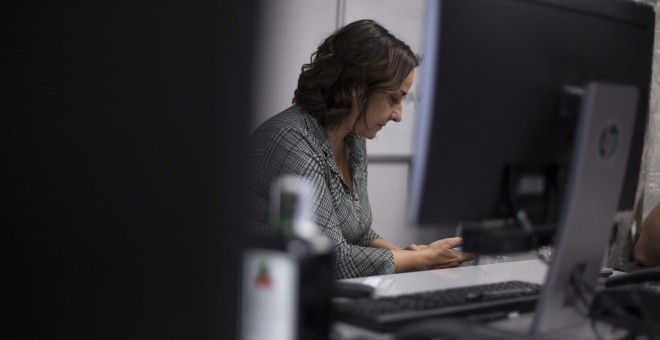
[[647, 251], [353, 86]]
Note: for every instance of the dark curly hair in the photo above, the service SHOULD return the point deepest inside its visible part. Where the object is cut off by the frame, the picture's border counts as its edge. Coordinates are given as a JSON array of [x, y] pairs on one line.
[[360, 58]]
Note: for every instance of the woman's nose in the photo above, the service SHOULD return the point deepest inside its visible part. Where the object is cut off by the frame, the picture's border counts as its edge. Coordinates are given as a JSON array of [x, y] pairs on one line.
[[397, 114]]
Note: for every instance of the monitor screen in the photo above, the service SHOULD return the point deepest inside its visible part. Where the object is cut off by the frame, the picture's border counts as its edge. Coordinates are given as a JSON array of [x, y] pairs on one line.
[[500, 92]]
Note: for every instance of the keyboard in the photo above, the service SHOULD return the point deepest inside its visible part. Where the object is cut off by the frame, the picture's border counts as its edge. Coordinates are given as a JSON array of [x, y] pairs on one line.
[[484, 302]]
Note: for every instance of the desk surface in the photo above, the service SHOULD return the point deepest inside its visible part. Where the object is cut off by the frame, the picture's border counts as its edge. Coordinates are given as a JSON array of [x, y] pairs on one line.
[[396, 284], [525, 270]]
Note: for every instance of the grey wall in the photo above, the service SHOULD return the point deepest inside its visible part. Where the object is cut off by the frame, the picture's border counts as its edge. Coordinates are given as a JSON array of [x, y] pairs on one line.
[[651, 168], [291, 31]]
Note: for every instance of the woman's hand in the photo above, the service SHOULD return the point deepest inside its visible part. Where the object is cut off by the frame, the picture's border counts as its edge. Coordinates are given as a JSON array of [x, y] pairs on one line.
[[446, 257], [447, 243], [441, 254], [436, 255], [416, 247]]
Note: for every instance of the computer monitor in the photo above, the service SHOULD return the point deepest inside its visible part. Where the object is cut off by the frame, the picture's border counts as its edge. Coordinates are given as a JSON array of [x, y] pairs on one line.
[[528, 112], [499, 85]]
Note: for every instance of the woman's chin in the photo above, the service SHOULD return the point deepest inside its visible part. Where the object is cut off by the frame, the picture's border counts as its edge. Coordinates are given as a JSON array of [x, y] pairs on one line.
[[370, 136]]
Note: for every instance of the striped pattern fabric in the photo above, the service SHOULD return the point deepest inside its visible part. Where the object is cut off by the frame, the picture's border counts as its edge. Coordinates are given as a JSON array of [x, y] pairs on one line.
[[294, 143]]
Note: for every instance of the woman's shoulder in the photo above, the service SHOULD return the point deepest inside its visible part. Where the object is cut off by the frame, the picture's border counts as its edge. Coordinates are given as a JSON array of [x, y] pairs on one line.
[[292, 118], [294, 122], [291, 128]]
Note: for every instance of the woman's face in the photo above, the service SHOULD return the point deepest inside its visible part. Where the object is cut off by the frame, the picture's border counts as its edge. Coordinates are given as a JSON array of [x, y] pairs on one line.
[[384, 107]]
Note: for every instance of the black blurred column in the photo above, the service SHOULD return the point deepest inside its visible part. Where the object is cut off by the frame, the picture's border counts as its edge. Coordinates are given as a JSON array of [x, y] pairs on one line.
[[122, 142]]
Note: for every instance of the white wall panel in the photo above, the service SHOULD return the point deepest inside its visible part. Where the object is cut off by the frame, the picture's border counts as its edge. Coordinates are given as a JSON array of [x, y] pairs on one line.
[[388, 190], [405, 19], [290, 32]]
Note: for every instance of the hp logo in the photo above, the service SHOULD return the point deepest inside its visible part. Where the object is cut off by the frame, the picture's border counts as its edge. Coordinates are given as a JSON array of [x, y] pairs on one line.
[[608, 142]]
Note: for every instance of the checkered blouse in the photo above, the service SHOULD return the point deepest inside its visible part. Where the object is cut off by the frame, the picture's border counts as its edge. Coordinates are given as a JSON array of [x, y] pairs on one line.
[[294, 142]]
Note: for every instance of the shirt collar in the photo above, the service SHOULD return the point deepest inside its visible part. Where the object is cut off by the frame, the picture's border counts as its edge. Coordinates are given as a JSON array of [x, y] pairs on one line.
[[355, 143]]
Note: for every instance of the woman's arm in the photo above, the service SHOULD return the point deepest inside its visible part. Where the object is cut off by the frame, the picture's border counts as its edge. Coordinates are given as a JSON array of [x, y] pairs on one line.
[[647, 249], [381, 243], [434, 256]]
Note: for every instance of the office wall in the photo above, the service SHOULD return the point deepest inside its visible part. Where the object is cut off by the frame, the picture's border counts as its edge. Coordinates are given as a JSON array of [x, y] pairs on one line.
[[291, 30], [406, 20], [651, 166], [388, 189]]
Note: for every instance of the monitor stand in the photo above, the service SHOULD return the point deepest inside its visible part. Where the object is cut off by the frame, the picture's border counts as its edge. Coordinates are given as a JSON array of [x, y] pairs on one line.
[[599, 159]]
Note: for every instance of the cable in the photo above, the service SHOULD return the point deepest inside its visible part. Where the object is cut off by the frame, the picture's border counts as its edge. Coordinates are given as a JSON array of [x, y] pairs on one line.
[[593, 328], [629, 313], [620, 317], [577, 284], [582, 289]]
